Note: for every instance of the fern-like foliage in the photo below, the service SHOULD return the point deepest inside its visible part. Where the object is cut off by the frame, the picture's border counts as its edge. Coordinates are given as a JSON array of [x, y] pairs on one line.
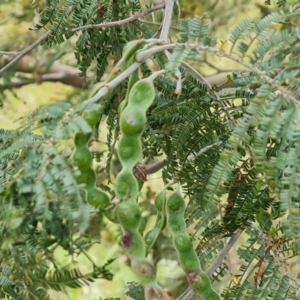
[[254, 164], [43, 207], [259, 276], [92, 46], [235, 151]]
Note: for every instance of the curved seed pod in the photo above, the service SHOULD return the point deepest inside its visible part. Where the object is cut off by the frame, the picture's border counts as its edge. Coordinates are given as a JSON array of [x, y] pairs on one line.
[[92, 117], [142, 93], [87, 177], [129, 151], [81, 138], [128, 55], [144, 270], [132, 123], [176, 207], [134, 77], [126, 185], [132, 120], [134, 244], [160, 201], [129, 215], [82, 159], [97, 198], [160, 222], [142, 226], [187, 256]]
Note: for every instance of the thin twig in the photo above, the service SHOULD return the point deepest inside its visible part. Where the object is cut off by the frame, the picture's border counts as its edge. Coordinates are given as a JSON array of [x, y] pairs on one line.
[[166, 25], [262, 74], [189, 293], [106, 24], [218, 69], [159, 25], [278, 259], [213, 93], [24, 52], [107, 87], [9, 53], [193, 156], [120, 22], [151, 169]]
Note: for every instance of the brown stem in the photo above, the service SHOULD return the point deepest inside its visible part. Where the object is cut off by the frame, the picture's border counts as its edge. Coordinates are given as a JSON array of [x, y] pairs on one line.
[[151, 169], [24, 52], [106, 24]]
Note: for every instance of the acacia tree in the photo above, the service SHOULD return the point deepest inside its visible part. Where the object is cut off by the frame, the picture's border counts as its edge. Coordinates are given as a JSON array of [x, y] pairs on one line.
[[228, 151]]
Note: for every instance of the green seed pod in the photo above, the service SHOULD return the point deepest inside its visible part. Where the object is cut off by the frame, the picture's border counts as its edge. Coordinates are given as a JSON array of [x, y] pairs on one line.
[[141, 183], [129, 215], [142, 94], [151, 237], [82, 139], [88, 177], [160, 200], [176, 222], [82, 158], [92, 117], [175, 203], [202, 285], [132, 116], [144, 270], [189, 261], [132, 121], [126, 185], [182, 242], [129, 151], [97, 198], [142, 226], [201, 282], [175, 208], [134, 244], [160, 222], [187, 257], [121, 107]]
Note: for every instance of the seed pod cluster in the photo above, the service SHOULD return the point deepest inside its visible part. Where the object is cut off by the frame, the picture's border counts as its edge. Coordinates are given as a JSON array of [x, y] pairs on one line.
[[189, 261], [132, 123], [82, 158]]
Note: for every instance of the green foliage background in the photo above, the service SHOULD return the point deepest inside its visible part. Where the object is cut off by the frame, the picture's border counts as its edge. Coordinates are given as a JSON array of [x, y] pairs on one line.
[[252, 178]]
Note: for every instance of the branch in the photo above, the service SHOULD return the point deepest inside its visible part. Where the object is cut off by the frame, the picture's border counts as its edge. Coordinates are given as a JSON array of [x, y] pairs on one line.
[[106, 24], [56, 73], [262, 74], [169, 4], [121, 22], [107, 87], [24, 52], [151, 169], [203, 150], [189, 293], [9, 53]]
